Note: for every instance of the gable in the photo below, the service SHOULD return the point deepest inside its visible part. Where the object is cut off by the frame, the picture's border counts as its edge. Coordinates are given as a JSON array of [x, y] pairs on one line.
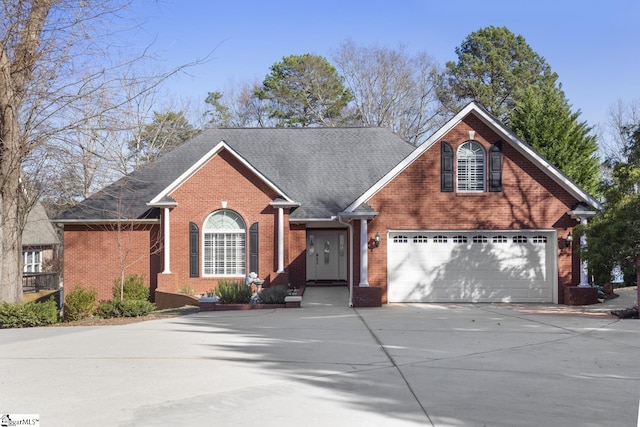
[[222, 179], [528, 198], [221, 152], [482, 125]]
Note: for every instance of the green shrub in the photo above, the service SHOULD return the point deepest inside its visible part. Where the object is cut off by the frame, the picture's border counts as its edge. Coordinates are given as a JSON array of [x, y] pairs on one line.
[[80, 303], [125, 308], [186, 290], [233, 292], [273, 294], [133, 288], [29, 314]]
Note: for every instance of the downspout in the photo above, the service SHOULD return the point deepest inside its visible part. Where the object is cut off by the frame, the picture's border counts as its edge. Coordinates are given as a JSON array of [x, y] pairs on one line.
[[350, 226]]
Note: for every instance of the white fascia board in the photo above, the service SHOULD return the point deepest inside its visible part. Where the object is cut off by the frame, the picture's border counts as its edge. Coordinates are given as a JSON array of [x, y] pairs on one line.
[[200, 163], [408, 160], [284, 204], [358, 215], [526, 150], [501, 130]]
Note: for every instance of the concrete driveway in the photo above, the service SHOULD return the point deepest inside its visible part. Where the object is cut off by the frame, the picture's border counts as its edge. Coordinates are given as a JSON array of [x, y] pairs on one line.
[[328, 365]]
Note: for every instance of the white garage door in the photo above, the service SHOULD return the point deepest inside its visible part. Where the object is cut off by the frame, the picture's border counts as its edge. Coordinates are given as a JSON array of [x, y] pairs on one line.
[[472, 266]]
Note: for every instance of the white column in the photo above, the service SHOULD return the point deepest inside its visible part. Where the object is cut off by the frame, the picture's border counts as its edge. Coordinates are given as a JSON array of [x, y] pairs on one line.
[[364, 255], [584, 267], [280, 240], [167, 242]]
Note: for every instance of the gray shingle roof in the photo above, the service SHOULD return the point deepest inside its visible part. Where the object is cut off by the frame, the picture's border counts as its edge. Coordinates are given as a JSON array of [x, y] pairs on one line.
[[38, 230], [323, 169]]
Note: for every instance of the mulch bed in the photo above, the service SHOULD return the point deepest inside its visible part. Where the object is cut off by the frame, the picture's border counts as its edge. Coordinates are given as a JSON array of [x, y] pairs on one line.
[[160, 314]]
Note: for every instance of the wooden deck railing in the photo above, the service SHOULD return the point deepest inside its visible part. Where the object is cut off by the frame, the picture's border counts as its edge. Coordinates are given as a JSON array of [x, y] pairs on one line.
[[34, 282]]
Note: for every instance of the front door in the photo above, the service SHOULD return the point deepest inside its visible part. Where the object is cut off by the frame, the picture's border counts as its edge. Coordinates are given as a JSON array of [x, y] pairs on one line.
[[326, 255]]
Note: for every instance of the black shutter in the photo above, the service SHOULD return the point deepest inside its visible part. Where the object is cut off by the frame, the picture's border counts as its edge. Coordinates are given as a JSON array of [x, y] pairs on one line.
[[495, 167], [446, 167], [194, 250], [253, 248]]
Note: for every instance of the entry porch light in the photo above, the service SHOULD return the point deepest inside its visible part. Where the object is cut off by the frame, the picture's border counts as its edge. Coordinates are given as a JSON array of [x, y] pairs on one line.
[[568, 240]]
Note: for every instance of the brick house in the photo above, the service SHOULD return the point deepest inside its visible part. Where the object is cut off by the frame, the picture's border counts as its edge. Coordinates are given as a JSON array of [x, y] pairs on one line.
[[472, 215]]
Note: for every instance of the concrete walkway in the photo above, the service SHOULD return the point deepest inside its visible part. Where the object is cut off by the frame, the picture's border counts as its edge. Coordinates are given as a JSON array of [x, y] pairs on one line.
[[328, 365]]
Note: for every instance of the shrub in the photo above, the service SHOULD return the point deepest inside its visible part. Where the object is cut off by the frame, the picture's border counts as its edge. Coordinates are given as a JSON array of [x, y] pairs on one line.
[[233, 292], [29, 314], [274, 295], [133, 288], [186, 290], [125, 308], [80, 303]]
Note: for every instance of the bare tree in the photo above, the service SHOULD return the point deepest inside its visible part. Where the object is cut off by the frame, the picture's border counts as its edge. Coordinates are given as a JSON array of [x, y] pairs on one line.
[[393, 89], [54, 56], [241, 107], [622, 117]]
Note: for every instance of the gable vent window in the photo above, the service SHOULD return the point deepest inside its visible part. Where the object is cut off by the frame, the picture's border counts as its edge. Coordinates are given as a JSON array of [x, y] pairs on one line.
[[471, 167], [499, 239], [480, 239], [539, 239], [459, 239], [519, 239], [400, 239], [439, 239], [420, 239]]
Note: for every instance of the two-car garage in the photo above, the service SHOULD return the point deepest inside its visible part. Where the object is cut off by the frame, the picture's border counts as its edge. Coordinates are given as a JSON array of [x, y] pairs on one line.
[[472, 266]]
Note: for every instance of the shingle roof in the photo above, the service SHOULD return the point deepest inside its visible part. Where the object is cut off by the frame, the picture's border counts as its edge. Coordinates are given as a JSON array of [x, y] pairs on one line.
[[323, 169], [38, 230]]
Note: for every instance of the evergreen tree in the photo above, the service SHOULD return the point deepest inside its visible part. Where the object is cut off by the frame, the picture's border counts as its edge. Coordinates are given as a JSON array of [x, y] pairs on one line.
[[304, 90], [542, 117], [494, 66], [614, 234]]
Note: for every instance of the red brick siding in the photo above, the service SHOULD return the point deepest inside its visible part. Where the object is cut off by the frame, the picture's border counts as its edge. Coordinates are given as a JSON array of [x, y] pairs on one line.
[[297, 260], [223, 178], [367, 296], [93, 256], [413, 200]]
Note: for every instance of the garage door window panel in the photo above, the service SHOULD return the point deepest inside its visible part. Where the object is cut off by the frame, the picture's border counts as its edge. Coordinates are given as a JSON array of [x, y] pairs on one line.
[[480, 239]]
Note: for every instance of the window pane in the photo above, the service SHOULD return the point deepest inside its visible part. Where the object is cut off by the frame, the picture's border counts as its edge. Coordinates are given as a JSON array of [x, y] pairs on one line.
[[224, 254], [471, 167]]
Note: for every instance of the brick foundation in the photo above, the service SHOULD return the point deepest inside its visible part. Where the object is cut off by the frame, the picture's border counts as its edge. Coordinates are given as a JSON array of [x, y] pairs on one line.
[[367, 296], [575, 295], [166, 300]]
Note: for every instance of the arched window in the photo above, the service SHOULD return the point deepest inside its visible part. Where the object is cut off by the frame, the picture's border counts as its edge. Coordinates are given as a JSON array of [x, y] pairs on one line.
[[471, 164], [224, 239]]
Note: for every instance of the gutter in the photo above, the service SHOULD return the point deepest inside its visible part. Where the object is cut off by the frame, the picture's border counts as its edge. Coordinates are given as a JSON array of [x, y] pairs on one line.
[[350, 227]]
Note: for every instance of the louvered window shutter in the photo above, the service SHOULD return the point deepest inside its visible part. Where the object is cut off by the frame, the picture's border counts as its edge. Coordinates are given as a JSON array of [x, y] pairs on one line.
[[253, 248], [194, 250], [446, 167], [495, 167]]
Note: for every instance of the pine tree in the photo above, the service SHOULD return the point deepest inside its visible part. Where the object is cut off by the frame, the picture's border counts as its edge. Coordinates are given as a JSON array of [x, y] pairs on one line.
[[542, 117]]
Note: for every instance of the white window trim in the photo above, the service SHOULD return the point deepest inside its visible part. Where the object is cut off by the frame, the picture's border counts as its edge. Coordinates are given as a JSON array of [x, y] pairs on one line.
[[210, 234], [32, 254]]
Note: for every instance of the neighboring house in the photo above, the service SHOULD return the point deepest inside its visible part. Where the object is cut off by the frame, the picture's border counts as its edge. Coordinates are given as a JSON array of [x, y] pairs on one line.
[[473, 214], [39, 240]]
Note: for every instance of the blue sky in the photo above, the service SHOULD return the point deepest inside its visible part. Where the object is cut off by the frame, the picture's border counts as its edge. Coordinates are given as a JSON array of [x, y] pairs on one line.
[[593, 46]]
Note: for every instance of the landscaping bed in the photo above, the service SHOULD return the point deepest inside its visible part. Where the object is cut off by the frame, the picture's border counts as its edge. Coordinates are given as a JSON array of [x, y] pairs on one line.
[[291, 301]]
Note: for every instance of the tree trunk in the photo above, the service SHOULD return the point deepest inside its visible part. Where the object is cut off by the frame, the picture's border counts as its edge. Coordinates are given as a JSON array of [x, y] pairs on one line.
[[10, 224]]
